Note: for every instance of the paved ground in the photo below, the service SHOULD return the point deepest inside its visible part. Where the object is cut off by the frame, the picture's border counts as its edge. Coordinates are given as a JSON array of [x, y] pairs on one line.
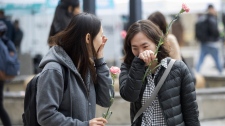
[[218, 122]]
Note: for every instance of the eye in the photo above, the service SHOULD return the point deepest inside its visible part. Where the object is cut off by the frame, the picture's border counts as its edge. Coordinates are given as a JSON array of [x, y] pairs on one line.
[[134, 48], [145, 47]]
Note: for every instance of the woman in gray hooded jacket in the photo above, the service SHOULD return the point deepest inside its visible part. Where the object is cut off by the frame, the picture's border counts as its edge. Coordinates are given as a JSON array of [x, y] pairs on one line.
[[76, 59]]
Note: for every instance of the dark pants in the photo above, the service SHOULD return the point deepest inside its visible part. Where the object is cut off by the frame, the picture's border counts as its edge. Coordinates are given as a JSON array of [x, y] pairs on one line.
[[3, 114]]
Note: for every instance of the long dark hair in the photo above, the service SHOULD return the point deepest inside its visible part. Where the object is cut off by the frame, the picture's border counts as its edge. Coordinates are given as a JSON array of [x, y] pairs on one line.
[[151, 31], [73, 40], [159, 19]]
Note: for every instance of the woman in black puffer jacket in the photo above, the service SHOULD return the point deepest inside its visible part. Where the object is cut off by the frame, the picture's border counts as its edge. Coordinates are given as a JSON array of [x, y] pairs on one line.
[[175, 103]]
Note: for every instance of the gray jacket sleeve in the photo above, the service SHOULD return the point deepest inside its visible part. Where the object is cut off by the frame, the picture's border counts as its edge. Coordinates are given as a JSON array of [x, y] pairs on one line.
[[50, 89], [104, 84], [130, 79]]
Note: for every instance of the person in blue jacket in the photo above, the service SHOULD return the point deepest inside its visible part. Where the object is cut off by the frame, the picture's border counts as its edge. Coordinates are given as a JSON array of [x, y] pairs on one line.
[[3, 77]]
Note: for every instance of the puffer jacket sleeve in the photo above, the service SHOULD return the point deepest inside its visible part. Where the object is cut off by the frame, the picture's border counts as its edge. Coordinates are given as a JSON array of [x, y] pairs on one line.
[[130, 79], [188, 98], [104, 84]]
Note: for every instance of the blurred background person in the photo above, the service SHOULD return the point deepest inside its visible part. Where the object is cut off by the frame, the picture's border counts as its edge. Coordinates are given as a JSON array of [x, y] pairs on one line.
[[159, 19], [65, 10], [207, 33], [3, 114], [10, 29], [172, 44], [18, 35], [178, 31]]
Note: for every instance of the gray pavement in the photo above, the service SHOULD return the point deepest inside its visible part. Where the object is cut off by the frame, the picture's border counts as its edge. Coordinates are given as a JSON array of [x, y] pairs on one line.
[[217, 122]]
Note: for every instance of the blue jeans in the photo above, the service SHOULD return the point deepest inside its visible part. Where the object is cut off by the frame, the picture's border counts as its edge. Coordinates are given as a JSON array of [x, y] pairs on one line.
[[214, 52]]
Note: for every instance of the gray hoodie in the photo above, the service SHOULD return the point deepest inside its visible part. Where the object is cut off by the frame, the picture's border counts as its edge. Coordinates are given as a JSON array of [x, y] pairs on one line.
[[75, 105]]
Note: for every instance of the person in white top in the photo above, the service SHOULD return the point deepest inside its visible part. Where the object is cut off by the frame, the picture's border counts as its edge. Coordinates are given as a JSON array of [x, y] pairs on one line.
[[172, 44], [174, 49]]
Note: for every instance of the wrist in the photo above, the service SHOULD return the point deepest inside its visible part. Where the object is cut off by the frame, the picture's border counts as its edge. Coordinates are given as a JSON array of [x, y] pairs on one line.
[[99, 62], [99, 65], [99, 56]]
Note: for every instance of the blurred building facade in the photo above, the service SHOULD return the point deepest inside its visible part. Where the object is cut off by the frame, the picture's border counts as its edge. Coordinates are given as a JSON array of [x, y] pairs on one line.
[[35, 18]]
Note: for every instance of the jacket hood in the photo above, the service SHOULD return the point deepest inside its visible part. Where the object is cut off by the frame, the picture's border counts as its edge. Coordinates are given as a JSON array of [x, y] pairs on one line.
[[57, 54]]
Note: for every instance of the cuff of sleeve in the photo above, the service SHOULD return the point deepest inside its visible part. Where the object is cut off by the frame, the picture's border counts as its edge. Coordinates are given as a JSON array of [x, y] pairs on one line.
[[99, 62], [137, 70], [137, 60]]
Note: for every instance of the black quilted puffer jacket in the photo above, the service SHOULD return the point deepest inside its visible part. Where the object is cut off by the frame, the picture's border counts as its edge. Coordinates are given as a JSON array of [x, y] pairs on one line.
[[177, 95]]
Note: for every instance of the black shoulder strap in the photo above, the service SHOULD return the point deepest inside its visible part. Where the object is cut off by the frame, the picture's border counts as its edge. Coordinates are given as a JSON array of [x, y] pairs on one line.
[[157, 88]]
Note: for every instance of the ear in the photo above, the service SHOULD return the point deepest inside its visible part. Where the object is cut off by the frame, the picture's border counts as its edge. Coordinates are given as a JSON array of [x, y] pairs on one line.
[[88, 38]]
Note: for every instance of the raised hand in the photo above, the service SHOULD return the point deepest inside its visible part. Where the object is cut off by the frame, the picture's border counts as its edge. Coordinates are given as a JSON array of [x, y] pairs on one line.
[[98, 122], [100, 49], [147, 56]]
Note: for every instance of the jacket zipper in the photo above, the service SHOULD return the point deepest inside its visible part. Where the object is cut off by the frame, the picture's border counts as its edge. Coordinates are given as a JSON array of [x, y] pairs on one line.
[[87, 87], [87, 93]]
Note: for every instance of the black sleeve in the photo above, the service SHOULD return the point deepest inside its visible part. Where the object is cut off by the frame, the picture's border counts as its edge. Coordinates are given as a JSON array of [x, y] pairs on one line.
[[191, 71], [213, 28], [188, 98], [130, 79]]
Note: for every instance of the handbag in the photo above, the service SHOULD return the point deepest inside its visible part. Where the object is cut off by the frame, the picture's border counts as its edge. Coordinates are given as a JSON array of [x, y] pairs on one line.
[[155, 92]]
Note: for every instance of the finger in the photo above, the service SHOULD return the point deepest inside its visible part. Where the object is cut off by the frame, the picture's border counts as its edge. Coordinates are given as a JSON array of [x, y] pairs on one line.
[[101, 119], [141, 56], [104, 39], [101, 47], [149, 59], [148, 54], [99, 123], [152, 56], [144, 54]]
